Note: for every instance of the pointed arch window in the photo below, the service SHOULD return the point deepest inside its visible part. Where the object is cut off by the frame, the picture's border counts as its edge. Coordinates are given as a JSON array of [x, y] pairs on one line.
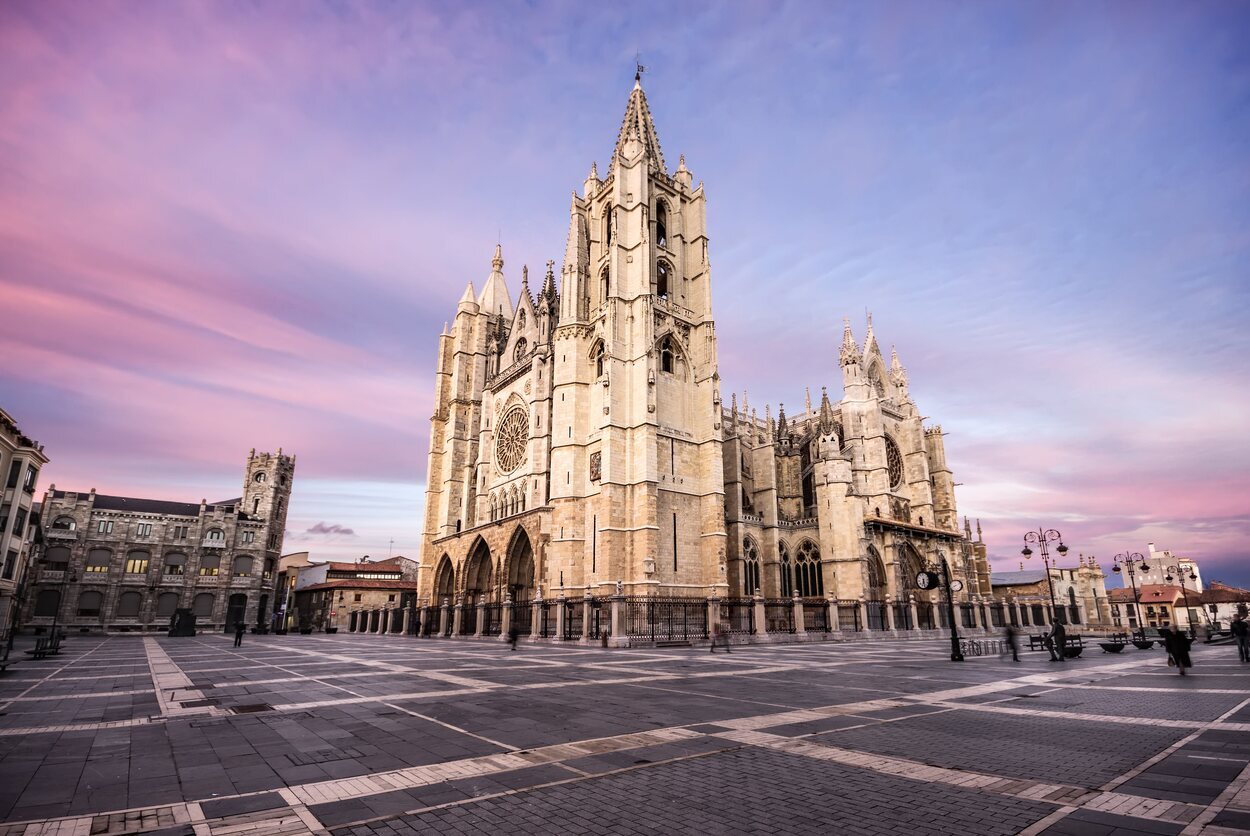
[[605, 286], [662, 274], [874, 571], [787, 580], [607, 226], [661, 223], [807, 574], [666, 355], [750, 567], [597, 353]]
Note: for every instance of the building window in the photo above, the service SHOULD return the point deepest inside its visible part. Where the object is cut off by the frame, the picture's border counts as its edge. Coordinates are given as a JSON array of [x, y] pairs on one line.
[[661, 279], [143, 530], [787, 582], [137, 563], [356, 597], [518, 353], [104, 527], [243, 567], [64, 524], [15, 471], [4, 517], [807, 574], [10, 564], [166, 604], [210, 564], [666, 355], [661, 223], [89, 604], [268, 568], [128, 605], [47, 603], [249, 536], [181, 532], [202, 606], [32, 476], [56, 558], [215, 535], [750, 567], [19, 522], [98, 561], [390, 597], [175, 564], [259, 477]]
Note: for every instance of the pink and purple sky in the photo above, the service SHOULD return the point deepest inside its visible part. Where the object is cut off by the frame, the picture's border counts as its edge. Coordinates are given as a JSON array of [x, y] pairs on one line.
[[227, 225]]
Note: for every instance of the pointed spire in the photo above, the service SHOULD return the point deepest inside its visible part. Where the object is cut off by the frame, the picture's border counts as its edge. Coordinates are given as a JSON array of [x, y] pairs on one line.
[[548, 294], [733, 403], [979, 540], [495, 298], [683, 175], [638, 125], [850, 349], [807, 399], [782, 430], [967, 529], [469, 295], [826, 412], [746, 401], [592, 181], [898, 374], [870, 339]]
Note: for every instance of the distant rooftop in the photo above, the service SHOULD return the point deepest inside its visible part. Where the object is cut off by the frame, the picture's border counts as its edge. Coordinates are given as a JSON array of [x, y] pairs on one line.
[[1017, 578], [137, 505]]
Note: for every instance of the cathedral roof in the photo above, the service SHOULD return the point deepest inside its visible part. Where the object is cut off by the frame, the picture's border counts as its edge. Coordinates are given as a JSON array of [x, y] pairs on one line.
[[638, 123]]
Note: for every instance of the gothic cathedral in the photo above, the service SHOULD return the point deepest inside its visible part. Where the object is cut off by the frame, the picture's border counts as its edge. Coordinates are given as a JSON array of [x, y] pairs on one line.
[[579, 442]]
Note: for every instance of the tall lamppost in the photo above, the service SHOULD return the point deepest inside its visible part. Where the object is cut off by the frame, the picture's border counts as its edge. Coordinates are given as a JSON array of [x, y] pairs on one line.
[[1129, 560], [1041, 537], [1179, 572], [956, 654]]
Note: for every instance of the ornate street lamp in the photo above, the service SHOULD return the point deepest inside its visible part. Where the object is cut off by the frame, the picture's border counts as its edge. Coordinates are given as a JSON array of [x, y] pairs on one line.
[[1179, 572], [956, 654], [1129, 560], [1041, 537]]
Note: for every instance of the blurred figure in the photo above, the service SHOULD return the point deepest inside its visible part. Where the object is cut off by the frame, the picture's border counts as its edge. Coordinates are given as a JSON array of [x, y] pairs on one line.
[[1241, 634], [1013, 642], [1058, 642], [513, 634], [239, 629], [1177, 645]]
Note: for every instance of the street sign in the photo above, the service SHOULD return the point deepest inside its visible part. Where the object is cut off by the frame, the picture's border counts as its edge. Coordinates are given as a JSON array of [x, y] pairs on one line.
[[927, 580]]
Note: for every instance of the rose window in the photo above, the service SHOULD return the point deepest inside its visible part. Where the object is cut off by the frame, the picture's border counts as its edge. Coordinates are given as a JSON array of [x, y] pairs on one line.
[[510, 439], [893, 461]]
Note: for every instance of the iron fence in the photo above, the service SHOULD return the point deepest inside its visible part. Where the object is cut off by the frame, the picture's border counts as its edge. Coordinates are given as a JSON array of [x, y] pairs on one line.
[[816, 615], [596, 625], [573, 617], [996, 615], [966, 617], [492, 619], [902, 617], [924, 616], [848, 617], [876, 614], [657, 619], [396, 624], [738, 615], [522, 617], [468, 619], [547, 619], [778, 615]]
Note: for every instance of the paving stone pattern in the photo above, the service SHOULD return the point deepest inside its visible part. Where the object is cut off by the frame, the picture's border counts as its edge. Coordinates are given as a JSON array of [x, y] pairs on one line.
[[364, 735]]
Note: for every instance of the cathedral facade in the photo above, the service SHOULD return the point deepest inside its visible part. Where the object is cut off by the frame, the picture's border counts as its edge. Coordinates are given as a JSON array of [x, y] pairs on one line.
[[580, 444]]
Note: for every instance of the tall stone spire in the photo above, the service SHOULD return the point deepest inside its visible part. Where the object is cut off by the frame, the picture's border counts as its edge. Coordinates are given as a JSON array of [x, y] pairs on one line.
[[495, 298], [826, 411], [850, 349], [898, 374], [870, 339], [638, 125], [807, 399]]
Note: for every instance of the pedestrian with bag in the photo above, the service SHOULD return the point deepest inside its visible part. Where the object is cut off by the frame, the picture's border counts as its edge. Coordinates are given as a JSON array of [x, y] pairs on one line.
[[1241, 635]]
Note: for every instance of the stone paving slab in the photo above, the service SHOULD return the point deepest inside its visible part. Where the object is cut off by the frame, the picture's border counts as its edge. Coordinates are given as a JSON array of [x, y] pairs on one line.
[[367, 734]]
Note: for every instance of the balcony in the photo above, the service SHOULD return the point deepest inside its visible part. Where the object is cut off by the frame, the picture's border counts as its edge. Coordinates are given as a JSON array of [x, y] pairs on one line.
[[51, 576], [60, 534], [213, 543]]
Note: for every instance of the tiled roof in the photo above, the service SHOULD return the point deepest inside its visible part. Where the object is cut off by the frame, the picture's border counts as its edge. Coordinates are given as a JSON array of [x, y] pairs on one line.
[[348, 583], [1151, 593], [1017, 578], [139, 505]]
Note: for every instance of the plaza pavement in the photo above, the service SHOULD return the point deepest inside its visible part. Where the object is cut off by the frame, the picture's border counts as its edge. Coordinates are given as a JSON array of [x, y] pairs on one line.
[[363, 734]]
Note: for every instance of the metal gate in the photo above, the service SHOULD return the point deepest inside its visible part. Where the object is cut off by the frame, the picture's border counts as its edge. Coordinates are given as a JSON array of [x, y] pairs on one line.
[[816, 615], [572, 620], [779, 615], [522, 617], [656, 619], [738, 615]]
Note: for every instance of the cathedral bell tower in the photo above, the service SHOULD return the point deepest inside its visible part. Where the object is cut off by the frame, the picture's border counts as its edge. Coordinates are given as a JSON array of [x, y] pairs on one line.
[[637, 485]]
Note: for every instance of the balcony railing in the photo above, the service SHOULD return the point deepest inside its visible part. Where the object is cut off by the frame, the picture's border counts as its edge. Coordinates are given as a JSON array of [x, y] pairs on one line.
[[51, 576], [213, 543], [60, 534]]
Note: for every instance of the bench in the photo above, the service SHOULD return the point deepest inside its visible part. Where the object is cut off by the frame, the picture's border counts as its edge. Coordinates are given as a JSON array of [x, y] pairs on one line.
[[1073, 645], [43, 646]]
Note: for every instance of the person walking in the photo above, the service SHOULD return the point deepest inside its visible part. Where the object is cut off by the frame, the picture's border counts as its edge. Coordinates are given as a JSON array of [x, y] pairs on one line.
[[1241, 634], [1177, 645], [513, 634], [1013, 643], [239, 629], [719, 635], [1058, 642]]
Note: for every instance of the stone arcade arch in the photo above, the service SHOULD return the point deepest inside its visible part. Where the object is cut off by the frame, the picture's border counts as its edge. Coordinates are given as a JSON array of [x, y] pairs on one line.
[[444, 580], [520, 562], [477, 574]]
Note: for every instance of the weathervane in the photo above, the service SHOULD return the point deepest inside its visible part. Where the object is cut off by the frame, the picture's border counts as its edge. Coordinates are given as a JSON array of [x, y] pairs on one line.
[[638, 64]]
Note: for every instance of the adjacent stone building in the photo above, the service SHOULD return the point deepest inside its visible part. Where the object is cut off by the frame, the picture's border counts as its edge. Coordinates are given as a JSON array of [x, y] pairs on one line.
[[21, 459], [344, 594], [1081, 596], [115, 563], [580, 443]]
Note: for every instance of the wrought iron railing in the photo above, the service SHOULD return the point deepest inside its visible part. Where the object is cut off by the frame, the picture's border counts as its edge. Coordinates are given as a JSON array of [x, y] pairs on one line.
[[522, 617], [924, 616], [661, 619], [816, 615], [875, 611], [573, 619], [778, 615], [848, 617], [738, 615], [468, 620], [902, 617], [492, 619]]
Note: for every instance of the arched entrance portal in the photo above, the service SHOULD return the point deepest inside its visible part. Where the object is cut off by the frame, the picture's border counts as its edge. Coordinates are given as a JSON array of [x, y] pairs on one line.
[[235, 611], [444, 581], [477, 571], [521, 568]]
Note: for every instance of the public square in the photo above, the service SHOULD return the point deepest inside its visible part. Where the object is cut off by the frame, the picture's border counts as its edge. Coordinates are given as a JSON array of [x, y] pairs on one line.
[[364, 734]]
